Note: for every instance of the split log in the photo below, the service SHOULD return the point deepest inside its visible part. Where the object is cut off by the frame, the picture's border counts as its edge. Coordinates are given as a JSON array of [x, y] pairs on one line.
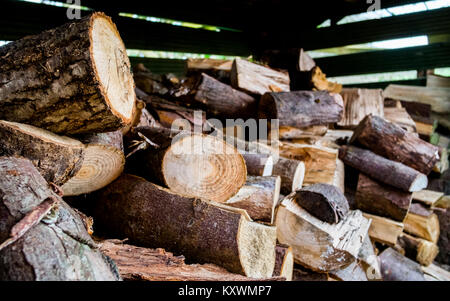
[[444, 235], [400, 117], [188, 163], [104, 161], [381, 200], [301, 109], [391, 141], [142, 264], [45, 74], [151, 216], [258, 197], [384, 230], [323, 201], [288, 132], [257, 79], [141, 117], [291, 172], [305, 61], [332, 139], [318, 245], [427, 197], [416, 109], [58, 158], [354, 272], [369, 261], [219, 69], [313, 79], [422, 223], [386, 171], [443, 164], [396, 267], [417, 249], [284, 262], [41, 237], [435, 273], [339, 176], [259, 165], [302, 274], [148, 82], [358, 103]]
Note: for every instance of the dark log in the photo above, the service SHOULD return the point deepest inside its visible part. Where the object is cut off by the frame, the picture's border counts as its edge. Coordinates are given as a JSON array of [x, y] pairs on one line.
[[303, 274], [301, 108], [417, 249], [391, 141], [444, 236], [151, 216], [386, 171], [41, 237], [219, 69], [259, 165], [380, 199], [284, 262], [70, 80], [291, 172], [396, 267]]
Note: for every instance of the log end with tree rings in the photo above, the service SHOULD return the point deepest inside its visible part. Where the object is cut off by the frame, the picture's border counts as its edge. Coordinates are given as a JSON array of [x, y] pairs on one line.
[[205, 167]]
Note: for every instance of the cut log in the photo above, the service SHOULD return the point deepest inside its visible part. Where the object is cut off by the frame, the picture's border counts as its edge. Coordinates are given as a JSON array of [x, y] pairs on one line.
[[256, 79], [396, 267], [320, 162], [436, 81], [259, 165], [323, 201], [354, 272], [152, 216], [58, 158], [436, 97], [258, 197], [444, 235], [305, 61], [382, 200], [384, 230], [314, 80], [400, 117], [332, 139], [142, 264], [141, 117], [301, 109], [288, 132], [190, 164], [369, 261], [391, 141], [419, 250], [416, 109], [443, 164], [41, 237], [148, 82], [45, 74], [318, 245], [427, 197], [435, 273], [302, 274], [284, 262], [292, 173], [422, 223], [104, 161], [386, 171], [358, 103], [219, 69]]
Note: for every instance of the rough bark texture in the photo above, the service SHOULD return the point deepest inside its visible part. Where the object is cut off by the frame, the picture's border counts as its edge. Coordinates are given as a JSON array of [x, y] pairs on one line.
[[444, 237], [57, 158], [301, 108], [396, 267], [358, 103], [151, 216], [391, 141], [259, 165], [50, 244], [51, 81], [323, 201], [383, 200], [303, 274], [291, 172], [386, 171]]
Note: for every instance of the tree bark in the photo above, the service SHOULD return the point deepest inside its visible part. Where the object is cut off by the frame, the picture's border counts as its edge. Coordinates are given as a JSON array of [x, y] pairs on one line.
[[284, 262], [204, 232], [383, 200], [358, 103], [444, 235], [386, 171], [41, 237], [396, 267], [323, 201], [391, 141], [104, 161], [190, 164], [419, 250], [258, 165], [73, 79], [301, 109], [58, 158], [422, 223], [291, 172]]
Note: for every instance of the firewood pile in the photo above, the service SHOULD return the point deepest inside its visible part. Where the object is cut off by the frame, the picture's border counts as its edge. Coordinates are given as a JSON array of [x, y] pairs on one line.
[[109, 174]]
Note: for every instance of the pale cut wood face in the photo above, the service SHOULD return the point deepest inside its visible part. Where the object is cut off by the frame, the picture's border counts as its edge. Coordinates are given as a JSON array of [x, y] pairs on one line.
[[113, 68]]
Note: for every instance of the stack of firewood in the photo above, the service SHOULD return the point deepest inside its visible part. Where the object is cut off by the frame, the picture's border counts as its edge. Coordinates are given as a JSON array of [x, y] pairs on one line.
[[107, 174]]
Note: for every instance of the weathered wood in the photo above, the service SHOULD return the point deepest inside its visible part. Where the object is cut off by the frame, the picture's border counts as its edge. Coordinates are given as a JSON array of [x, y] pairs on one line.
[[323, 201], [219, 69], [384, 230], [401, 117], [396, 267], [332, 139], [205, 232], [354, 272], [386, 171], [42, 77], [383, 200], [369, 261], [358, 103], [41, 237], [436, 81], [288, 132], [148, 82], [257, 79], [422, 223], [103, 162], [443, 243], [315, 80], [292, 173], [318, 245], [391, 141], [417, 249], [303, 274], [435, 273], [58, 158], [339, 176], [284, 262], [143, 264], [301, 109], [258, 197], [191, 164], [443, 163], [427, 197], [259, 165], [305, 61]]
